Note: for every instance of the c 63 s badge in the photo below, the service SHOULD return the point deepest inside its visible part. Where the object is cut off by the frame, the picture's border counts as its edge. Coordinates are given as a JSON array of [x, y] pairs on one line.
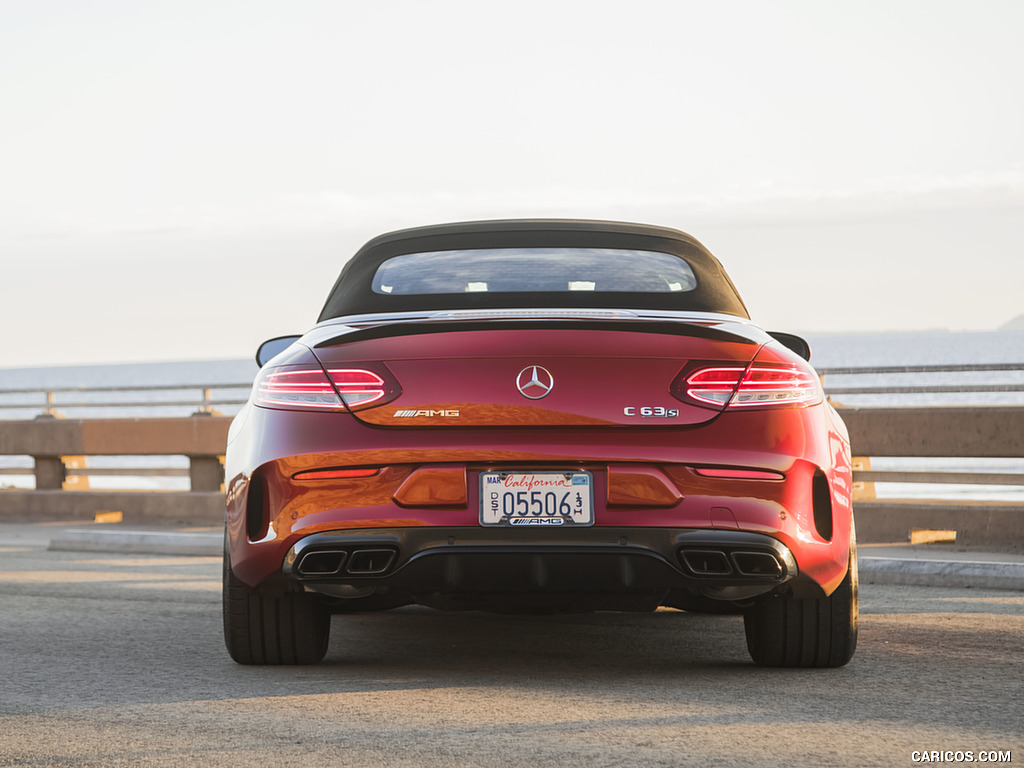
[[651, 411], [425, 413]]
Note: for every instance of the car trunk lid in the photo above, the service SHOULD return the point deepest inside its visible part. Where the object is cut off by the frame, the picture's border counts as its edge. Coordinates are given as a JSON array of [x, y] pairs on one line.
[[566, 373]]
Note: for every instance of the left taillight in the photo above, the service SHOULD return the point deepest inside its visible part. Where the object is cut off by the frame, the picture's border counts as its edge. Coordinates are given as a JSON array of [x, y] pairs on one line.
[[358, 387], [305, 388], [757, 386]]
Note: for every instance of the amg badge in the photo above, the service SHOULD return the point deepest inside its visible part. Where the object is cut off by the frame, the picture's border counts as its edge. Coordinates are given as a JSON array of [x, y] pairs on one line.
[[428, 414]]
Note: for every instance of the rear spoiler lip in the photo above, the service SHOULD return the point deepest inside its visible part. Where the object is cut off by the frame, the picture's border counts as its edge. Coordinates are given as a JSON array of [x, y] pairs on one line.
[[692, 327], [550, 313]]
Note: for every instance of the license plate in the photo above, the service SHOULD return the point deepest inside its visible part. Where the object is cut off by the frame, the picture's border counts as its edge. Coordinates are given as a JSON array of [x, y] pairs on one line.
[[536, 498]]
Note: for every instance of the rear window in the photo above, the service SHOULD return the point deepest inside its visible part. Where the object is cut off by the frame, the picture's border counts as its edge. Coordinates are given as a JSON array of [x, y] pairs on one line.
[[529, 270]]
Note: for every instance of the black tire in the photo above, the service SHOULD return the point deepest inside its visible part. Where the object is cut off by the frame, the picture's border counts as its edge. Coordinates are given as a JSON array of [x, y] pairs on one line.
[[817, 632], [291, 628]]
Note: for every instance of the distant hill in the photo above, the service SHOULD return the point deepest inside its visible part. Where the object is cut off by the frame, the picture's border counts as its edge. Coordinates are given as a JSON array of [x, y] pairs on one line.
[[1017, 324]]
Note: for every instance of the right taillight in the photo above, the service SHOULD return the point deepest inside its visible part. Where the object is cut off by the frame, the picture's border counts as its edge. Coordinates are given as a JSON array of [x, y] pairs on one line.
[[304, 388], [776, 385], [757, 386], [712, 386]]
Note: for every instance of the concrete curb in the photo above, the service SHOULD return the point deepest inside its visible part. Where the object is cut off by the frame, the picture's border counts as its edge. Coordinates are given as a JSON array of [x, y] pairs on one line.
[[924, 572], [138, 542]]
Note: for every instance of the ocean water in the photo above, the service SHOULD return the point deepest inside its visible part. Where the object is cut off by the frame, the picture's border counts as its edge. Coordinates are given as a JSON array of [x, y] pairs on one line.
[[196, 374], [828, 351], [916, 349]]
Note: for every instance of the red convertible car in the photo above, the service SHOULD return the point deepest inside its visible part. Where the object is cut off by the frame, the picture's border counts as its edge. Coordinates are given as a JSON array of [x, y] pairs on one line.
[[538, 415]]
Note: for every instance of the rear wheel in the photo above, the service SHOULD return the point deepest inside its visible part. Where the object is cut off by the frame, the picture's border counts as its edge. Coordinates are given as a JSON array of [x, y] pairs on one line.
[[290, 628], [817, 632]]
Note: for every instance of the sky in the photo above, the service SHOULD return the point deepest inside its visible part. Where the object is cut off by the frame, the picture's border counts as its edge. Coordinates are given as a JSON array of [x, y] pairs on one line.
[[183, 180]]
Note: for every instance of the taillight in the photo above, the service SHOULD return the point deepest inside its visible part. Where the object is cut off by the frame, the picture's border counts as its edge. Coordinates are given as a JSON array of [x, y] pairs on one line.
[[307, 388], [296, 389], [713, 386], [777, 385], [759, 386], [357, 386]]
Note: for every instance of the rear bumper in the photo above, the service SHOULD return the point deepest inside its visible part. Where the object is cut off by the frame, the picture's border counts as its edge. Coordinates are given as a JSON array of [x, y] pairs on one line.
[[507, 569], [273, 515]]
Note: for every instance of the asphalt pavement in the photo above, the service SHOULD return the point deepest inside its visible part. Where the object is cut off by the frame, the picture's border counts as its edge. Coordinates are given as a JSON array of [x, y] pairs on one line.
[[118, 661], [935, 565]]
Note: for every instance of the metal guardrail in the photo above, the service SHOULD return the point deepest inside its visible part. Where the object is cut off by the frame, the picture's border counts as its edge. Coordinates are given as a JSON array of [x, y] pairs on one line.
[[937, 432], [58, 447], [939, 478], [950, 386], [106, 471], [51, 400], [964, 433]]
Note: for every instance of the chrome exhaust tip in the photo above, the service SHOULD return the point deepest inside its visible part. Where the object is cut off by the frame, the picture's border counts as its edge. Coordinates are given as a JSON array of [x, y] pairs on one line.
[[370, 562], [322, 563], [758, 564], [706, 562]]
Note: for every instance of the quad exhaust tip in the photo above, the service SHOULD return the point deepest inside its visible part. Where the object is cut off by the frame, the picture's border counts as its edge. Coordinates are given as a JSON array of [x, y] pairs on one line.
[[706, 562], [757, 564], [368, 562], [358, 562], [326, 563], [713, 562]]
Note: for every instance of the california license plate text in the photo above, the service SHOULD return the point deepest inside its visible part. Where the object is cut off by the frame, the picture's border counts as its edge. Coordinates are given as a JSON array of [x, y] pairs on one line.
[[536, 498]]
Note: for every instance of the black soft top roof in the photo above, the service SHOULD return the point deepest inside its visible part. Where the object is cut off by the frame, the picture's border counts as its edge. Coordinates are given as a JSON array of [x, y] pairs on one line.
[[353, 295]]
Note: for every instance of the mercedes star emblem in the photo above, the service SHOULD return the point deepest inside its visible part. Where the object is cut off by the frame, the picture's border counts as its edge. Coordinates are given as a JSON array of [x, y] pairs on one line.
[[535, 382]]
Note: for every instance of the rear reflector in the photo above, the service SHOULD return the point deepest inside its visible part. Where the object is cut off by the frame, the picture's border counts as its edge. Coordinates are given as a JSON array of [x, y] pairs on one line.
[[739, 474], [334, 474], [433, 486]]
